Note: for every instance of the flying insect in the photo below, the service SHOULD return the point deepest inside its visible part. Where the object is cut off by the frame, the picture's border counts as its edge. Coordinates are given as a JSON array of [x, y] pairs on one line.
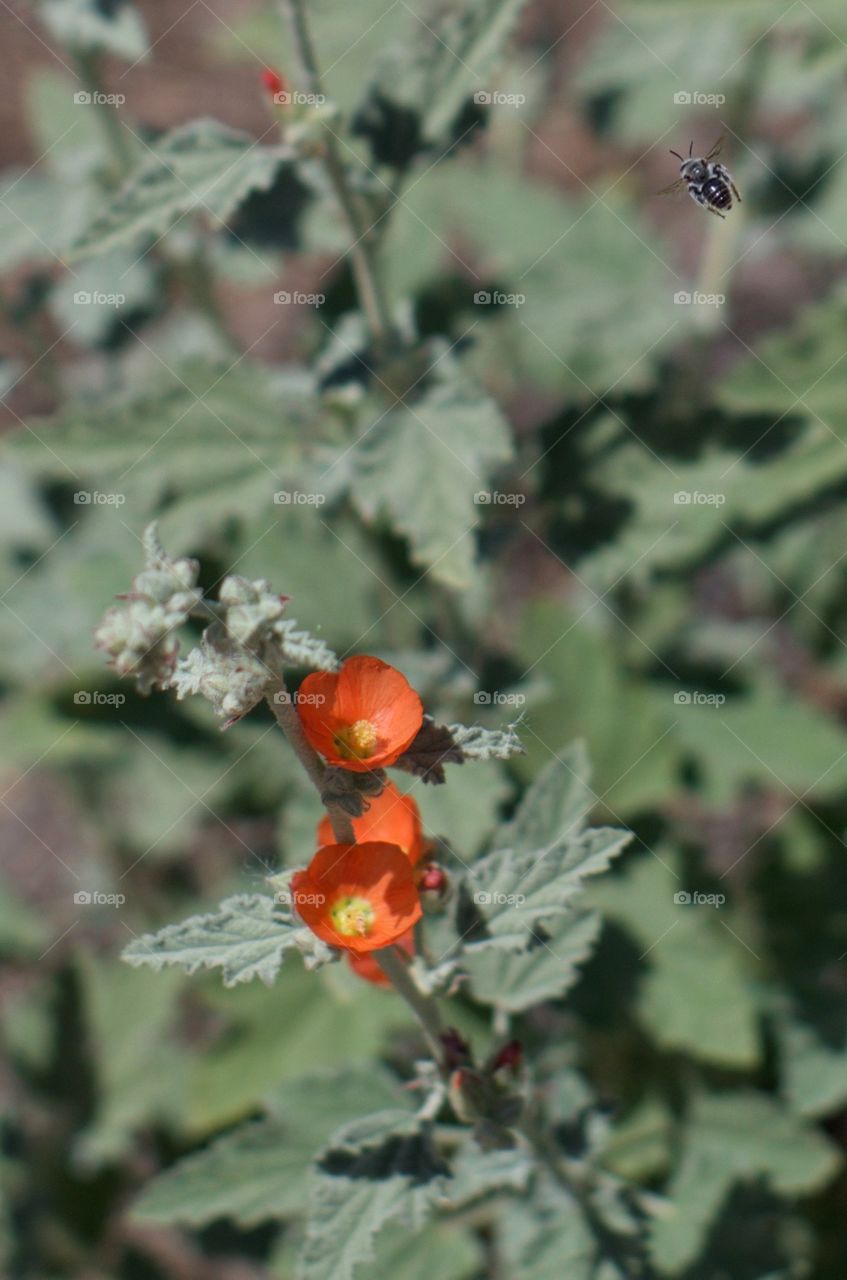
[[708, 182]]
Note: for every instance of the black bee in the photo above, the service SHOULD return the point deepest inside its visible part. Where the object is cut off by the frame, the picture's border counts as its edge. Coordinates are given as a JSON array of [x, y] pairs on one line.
[[710, 184]]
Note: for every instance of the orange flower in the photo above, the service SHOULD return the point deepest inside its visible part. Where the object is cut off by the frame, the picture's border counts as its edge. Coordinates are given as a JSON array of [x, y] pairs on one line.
[[390, 817], [364, 964], [359, 897], [361, 717]]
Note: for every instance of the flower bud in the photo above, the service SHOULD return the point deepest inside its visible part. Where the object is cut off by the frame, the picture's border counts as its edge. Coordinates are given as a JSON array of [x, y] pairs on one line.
[[433, 886], [273, 82], [457, 1051], [509, 1056]]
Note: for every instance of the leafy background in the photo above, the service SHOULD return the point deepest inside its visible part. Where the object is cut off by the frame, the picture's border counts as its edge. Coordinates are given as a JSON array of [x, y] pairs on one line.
[[694, 647]]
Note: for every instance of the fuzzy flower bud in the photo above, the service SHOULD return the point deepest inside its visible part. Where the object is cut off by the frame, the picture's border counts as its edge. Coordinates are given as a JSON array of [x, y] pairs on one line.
[[231, 679], [251, 609], [138, 634]]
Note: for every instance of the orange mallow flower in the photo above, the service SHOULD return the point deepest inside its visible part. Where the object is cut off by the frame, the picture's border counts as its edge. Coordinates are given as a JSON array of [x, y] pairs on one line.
[[365, 964], [361, 717], [390, 817], [359, 897]]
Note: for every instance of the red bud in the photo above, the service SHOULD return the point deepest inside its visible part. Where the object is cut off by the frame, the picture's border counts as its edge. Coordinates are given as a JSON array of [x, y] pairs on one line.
[[273, 82], [511, 1056], [433, 879]]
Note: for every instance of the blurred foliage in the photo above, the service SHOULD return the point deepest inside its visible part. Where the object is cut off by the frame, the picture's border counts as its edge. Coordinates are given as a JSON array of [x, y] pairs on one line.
[[564, 497]]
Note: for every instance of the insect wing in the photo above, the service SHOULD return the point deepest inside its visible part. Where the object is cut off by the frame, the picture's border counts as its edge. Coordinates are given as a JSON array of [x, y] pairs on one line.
[[673, 188], [716, 148]]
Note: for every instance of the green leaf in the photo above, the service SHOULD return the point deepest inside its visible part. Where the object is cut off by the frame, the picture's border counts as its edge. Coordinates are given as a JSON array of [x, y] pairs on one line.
[[258, 1171], [89, 26], [768, 738], [378, 1170], [698, 994], [247, 937], [449, 56], [627, 732], [141, 1071], [37, 214], [681, 512], [550, 1235], [555, 806], [517, 891], [478, 743], [270, 1037], [573, 264], [477, 1174], [200, 167], [731, 1138], [814, 1063], [22, 930], [441, 1249], [204, 443], [545, 970], [421, 466]]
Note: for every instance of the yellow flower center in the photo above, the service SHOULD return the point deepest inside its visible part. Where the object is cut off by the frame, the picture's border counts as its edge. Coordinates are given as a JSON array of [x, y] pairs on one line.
[[352, 917], [358, 741]]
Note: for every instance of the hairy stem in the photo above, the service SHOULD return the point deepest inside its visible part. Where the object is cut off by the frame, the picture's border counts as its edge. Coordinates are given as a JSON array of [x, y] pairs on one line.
[[424, 1007], [288, 720], [117, 140], [362, 256]]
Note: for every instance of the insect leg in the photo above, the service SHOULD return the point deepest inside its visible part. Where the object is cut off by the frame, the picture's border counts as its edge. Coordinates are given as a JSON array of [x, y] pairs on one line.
[[697, 195]]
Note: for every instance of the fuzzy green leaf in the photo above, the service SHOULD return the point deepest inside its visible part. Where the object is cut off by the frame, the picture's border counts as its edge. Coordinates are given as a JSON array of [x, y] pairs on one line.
[[201, 167], [247, 937], [89, 26], [698, 994], [421, 466], [204, 443], [258, 1171], [545, 970], [731, 1138], [486, 744], [516, 891], [449, 57], [376, 1171]]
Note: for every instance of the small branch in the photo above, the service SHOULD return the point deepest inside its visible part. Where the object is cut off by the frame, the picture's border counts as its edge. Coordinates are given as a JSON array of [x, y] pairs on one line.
[[368, 283], [117, 141], [289, 722], [424, 1007]]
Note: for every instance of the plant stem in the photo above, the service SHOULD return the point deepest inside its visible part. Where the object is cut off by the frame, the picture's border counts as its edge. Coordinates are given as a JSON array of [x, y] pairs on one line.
[[117, 142], [289, 721], [365, 273], [424, 1007]]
